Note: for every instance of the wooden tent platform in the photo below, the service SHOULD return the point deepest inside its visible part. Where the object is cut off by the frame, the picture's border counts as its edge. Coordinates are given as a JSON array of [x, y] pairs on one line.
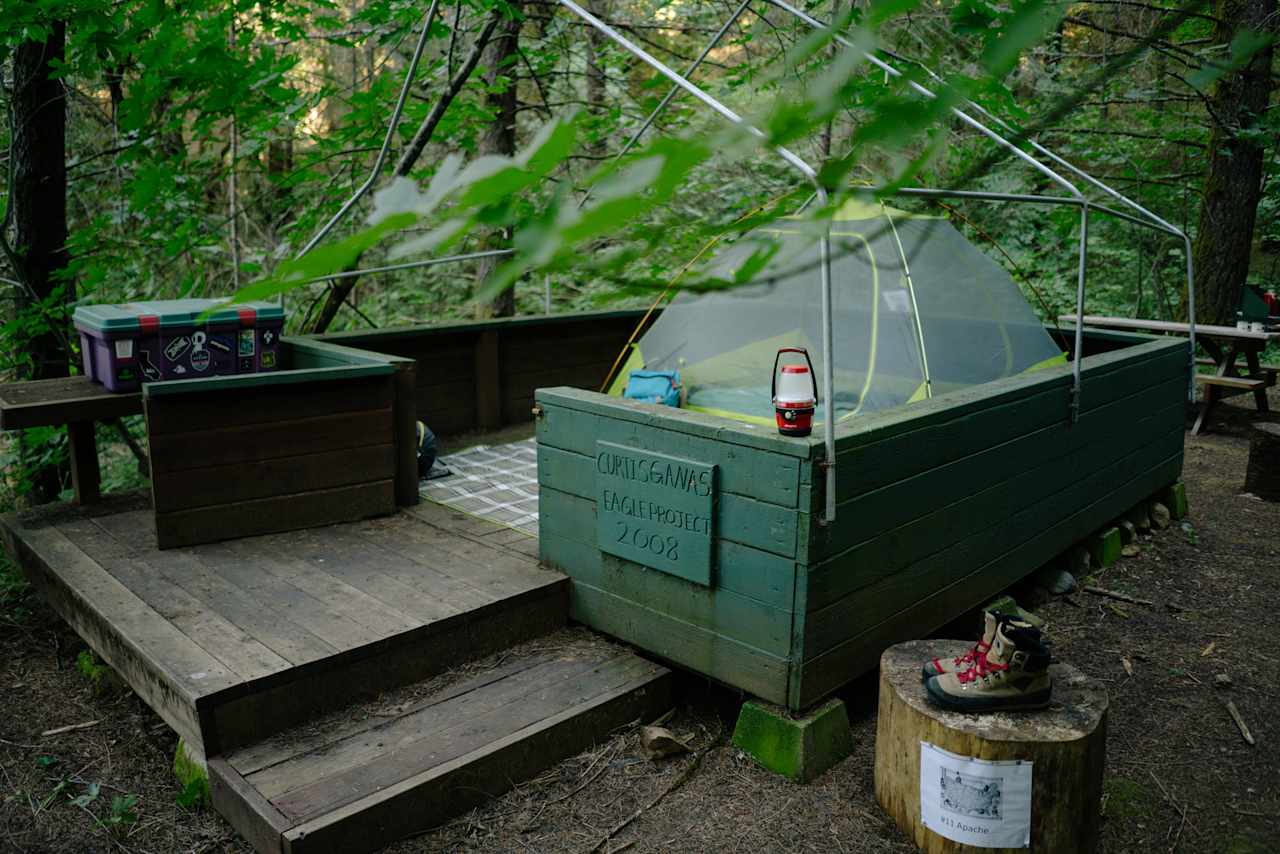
[[230, 642]]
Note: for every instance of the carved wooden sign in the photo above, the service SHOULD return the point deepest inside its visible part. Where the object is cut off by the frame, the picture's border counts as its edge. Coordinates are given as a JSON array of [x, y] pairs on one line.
[[656, 510]]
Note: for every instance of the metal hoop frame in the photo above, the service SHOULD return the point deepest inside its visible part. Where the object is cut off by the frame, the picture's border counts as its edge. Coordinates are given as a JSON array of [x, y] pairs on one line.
[[681, 82]]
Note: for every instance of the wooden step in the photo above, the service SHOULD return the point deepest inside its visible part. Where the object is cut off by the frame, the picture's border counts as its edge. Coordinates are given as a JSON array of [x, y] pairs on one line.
[[379, 774]]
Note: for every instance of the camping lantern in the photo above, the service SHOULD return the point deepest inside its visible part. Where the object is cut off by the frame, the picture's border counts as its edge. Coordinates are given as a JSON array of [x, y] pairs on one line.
[[795, 394]]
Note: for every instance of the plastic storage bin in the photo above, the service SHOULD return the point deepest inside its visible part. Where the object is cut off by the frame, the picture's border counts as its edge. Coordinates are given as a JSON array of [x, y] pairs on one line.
[[128, 344]]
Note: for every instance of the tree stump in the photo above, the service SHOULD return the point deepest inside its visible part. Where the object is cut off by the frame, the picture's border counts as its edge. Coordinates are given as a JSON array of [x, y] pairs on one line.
[[1263, 475], [1065, 744]]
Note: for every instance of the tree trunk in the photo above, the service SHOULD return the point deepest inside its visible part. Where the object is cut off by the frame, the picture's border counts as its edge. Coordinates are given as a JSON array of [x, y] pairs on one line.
[[1065, 744], [500, 138], [1233, 185], [39, 216]]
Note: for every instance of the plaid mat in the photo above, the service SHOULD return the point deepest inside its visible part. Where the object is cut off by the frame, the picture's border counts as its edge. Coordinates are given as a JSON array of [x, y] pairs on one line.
[[495, 482]]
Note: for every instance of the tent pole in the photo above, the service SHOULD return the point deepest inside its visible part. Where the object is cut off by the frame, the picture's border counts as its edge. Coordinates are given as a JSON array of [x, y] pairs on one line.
[[828, 374], [1079, 345], [915, 308]]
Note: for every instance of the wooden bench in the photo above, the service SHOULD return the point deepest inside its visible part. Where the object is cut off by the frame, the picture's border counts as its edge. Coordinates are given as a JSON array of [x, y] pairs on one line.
[[1238, 383], [77, 402]]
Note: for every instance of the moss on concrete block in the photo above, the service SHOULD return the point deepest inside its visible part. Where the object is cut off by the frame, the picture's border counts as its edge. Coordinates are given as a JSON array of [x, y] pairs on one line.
[[1105, 547], [799, 747], [1175, 498], [191, 772]]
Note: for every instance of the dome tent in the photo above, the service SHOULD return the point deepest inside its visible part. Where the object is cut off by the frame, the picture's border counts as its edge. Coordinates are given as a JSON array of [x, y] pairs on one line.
[[917, 311]]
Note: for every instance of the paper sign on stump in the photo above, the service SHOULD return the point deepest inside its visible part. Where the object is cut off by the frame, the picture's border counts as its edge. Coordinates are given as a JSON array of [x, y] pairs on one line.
[[975, 801]]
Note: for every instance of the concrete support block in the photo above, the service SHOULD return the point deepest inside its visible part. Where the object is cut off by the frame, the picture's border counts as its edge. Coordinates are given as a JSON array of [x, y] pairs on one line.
[[800, 747], [1175, 498], [1105, 547]]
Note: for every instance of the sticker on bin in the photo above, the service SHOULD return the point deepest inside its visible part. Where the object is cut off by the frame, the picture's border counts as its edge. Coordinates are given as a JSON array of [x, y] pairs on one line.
[[125, 344]]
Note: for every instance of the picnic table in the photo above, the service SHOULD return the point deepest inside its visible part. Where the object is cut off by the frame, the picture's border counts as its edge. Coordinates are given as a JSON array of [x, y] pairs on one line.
[[76, 402], [1224, 344]]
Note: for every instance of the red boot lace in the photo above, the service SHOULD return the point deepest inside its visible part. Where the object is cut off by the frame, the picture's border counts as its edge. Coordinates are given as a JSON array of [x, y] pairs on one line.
[[982, 668], [978, 653]]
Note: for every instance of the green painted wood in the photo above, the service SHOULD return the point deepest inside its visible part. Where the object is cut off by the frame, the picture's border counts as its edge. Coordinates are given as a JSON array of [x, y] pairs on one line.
[[947, 407], [738, 519], [1010, 525], [908, 510], [860, 653], [271, 379], [755, 574], [715, 610], [705, 652], [884, 453], [655, 509], [1104, 547], [763, 475], [679, 421]]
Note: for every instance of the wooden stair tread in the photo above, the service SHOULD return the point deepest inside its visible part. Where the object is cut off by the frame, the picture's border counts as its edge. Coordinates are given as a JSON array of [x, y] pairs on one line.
[[379, 776]]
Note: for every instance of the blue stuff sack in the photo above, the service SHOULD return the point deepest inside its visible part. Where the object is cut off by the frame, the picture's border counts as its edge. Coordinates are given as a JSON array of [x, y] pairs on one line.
[[654, 387]]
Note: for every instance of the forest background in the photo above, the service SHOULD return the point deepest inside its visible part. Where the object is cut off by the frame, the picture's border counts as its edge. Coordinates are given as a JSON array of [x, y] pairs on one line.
[[157, 149]]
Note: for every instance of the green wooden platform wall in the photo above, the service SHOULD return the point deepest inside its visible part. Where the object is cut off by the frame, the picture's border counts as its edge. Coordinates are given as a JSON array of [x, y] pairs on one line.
[[940, 505]]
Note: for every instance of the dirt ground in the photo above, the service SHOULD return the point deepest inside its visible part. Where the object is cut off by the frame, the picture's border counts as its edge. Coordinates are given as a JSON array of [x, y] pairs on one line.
[[1179, 776]]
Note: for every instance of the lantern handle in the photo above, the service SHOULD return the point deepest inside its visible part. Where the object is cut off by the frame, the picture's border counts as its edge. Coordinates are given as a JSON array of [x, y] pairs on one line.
[[813, 377]]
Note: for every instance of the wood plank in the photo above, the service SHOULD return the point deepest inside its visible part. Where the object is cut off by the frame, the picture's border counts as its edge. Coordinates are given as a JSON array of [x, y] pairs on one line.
[[720, 658], [683, 421], [215, 410], [312, 781], [252, 815], [754, 574], [203, 448], [428, 798], [232, 483], [247, 713], [738, 519], [336, 613], [86, 478], [885, 511], [1202, 329], [449, 731], [278, 513], [891, 446], [287, 746], [488, 377], [397, 582], [716, 610], [1009, 520], [859, 654], [1241, 383], [62, 400], [229, 643], [162, 665]]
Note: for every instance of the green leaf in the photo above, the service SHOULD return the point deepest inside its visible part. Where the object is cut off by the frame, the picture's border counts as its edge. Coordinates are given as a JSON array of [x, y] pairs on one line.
[[1025, 27]]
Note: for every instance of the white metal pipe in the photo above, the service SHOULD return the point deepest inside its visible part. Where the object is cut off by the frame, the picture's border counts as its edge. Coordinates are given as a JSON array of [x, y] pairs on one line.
[[1079, 346], [919, 89]]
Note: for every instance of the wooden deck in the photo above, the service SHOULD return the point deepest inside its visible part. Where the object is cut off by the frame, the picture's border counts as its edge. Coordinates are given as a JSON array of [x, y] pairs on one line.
[[231, 642]]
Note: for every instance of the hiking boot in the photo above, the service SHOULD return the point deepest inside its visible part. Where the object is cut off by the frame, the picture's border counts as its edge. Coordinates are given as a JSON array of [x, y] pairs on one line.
[[1014, 674], [939, 666]]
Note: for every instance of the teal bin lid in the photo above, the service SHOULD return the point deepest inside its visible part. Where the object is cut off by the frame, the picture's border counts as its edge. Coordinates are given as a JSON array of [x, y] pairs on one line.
[[124, 317]]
